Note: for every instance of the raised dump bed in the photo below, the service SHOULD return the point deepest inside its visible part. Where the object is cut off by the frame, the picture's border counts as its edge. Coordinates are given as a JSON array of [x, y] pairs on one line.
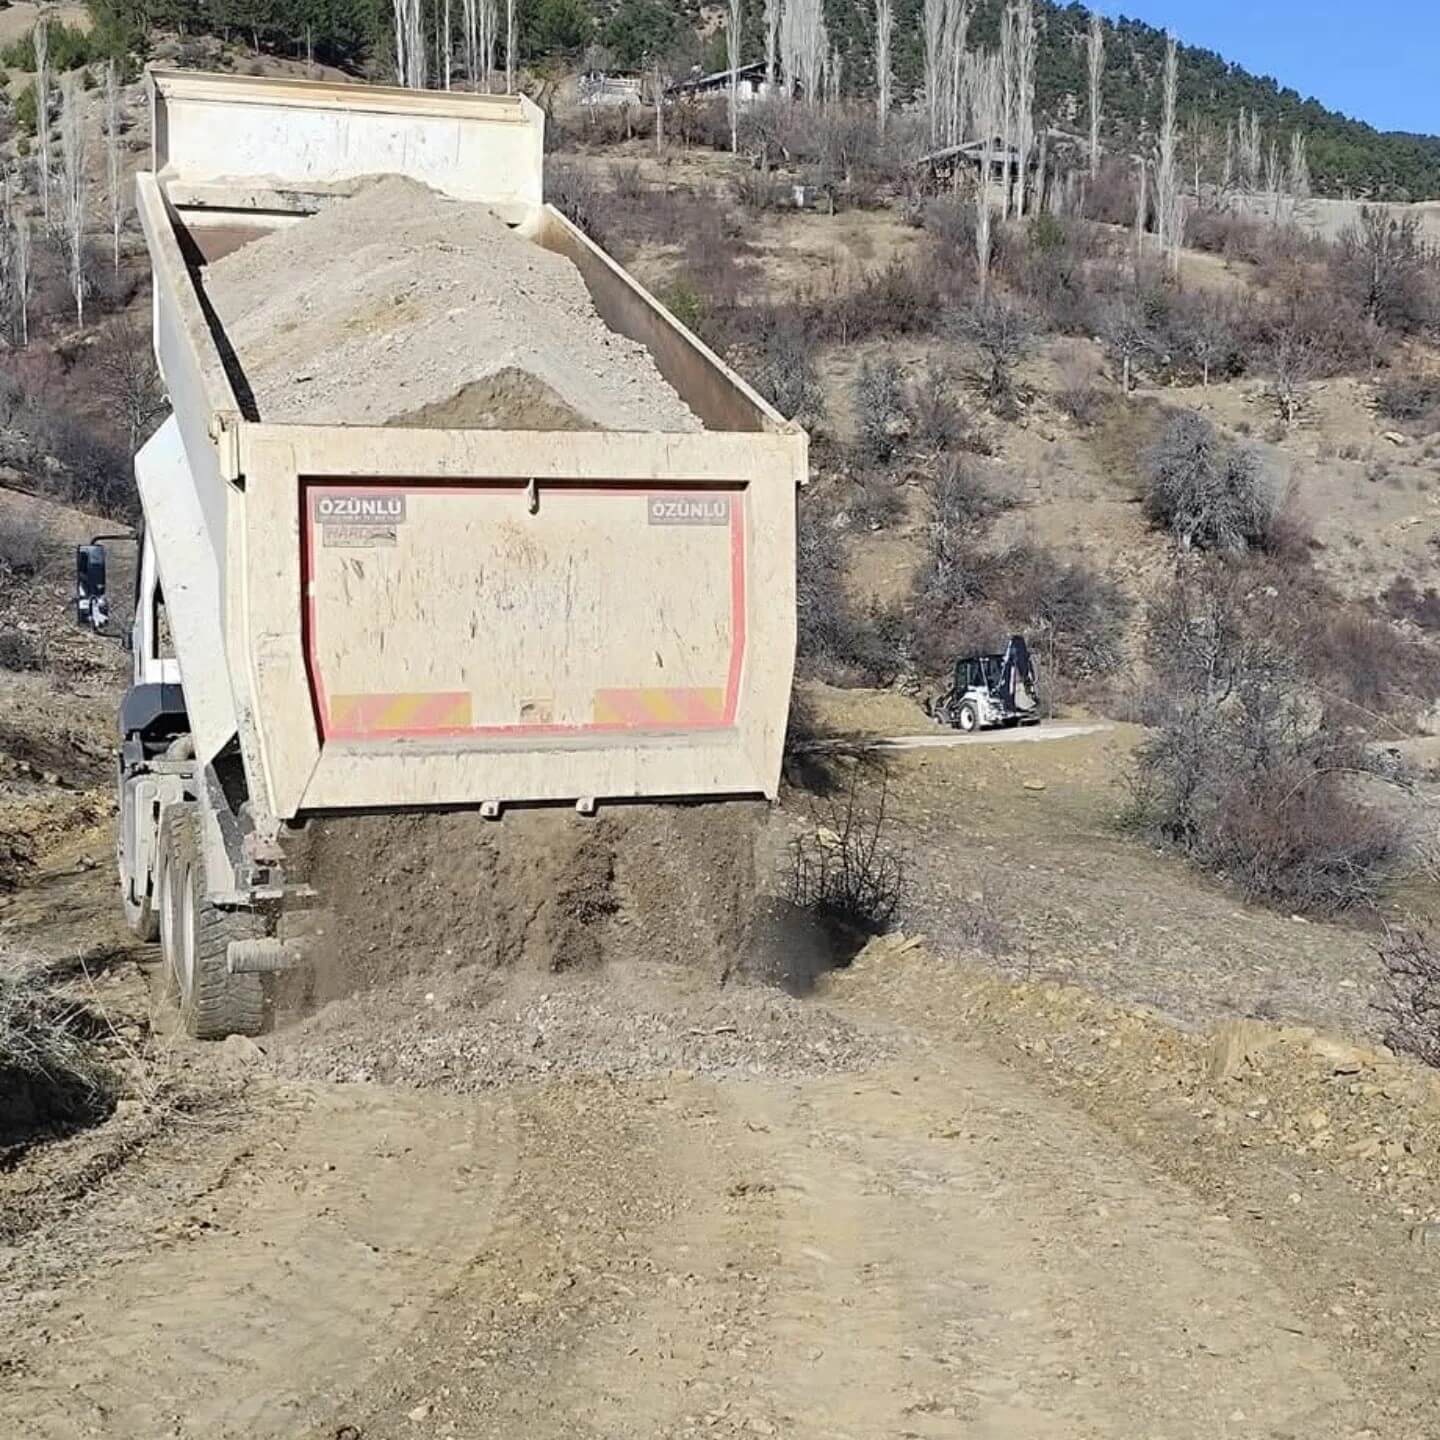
[[411, 612], [449, 511]]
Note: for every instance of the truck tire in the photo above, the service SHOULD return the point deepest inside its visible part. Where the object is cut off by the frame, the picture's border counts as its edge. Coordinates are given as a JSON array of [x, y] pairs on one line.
[[195, 939], [967, 718]]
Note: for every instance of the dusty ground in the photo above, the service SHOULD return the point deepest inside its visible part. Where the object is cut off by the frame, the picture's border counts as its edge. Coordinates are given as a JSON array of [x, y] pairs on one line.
[[995, 1210]]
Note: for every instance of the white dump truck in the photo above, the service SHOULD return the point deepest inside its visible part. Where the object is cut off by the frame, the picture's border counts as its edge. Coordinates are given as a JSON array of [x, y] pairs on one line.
[[339, 618]]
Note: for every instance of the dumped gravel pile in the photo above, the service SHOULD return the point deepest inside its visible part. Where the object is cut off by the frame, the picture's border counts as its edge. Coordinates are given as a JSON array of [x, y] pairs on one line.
[[475, 1032], [399, 305], [468, 954]]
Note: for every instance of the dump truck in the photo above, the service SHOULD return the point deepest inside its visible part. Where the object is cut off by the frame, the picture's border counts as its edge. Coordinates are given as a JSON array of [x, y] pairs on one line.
[[339, 619]]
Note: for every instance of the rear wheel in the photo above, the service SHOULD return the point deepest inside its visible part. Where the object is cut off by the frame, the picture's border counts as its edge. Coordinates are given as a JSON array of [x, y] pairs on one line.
[[967, 718], [195, 939]]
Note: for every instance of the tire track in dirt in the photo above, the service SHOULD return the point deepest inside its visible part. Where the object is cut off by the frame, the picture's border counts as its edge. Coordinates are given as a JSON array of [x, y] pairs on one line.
[[326, 1244]]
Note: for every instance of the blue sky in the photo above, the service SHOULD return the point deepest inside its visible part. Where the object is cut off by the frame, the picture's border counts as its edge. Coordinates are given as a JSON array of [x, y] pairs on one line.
[[1378, 61]]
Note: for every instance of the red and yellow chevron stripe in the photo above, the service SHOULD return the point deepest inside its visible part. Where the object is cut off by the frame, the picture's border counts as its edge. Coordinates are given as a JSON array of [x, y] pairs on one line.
[[407, 714], [659, 706]]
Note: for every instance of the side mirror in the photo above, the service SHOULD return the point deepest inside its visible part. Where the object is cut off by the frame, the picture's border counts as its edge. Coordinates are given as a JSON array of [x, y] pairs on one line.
[[92, 609]]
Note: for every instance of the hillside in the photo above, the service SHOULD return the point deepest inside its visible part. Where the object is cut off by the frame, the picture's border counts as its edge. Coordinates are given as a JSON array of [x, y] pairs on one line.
[[1347, 157]]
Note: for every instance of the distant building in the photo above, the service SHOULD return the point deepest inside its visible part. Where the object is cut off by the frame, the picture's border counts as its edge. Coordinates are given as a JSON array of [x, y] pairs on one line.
[[601, 88], [751, 85]]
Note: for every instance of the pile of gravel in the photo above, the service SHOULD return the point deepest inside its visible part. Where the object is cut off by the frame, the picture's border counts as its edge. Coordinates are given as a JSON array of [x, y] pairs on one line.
[[624, 1022], [401, 306]]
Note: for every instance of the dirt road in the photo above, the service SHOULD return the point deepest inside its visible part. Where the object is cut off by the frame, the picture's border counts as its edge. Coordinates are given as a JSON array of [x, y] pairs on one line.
[[927, 1248]]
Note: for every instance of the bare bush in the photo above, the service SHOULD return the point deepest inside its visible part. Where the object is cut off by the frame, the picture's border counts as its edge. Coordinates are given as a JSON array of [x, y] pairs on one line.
[[835, 643], [1241, 772], [845, 873], [50, 1073], [575, 194], [1410, 398], [1384, 265], [27, 545], [627, 183], [881, 421], [785, 371], [1004, 334], [1075, 616], [941, 423], [1411, 1000], [1208, 494], [1405, 601], [20, 652]]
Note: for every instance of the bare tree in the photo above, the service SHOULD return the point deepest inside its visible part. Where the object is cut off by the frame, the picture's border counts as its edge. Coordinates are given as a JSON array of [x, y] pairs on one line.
[[772, 40], [1292, 361], [1127, 337], [884, 26], [409, 45], [933, 18], [112, 158], [447, 49], [509, 47], [72, 188], [1095, 54], [1167, 178], [1299, 176], [1004, 334], [952, 80], [804, 48], [1142, 204], [42, 109], [1007, 98], [1024, 27], [1209, 335], [128, 378], [1251, 160], [489, 33], [984, 87], [1227, 175], [732, 51], [21, 273], [1274, 178], [470, 37]]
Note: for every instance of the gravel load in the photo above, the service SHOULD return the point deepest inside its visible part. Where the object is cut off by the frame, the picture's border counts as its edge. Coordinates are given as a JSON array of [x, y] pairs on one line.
[[399, 306]]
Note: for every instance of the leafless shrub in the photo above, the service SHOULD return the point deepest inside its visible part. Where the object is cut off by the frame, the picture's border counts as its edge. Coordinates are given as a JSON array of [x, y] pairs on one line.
[[875, 503], [1411, 1001], [941, 423], [1004, 334], [627, 183], [1128, 338], [1241, 773], [845, 872], [27, 545], [1083, 403], [50, 1074], [1208, 494], [785, 370], [19, 651], [1384, 265], [836, 643], [1405, 601], [1075, 616], [575, 194], [1410, 398], [881, 420]]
